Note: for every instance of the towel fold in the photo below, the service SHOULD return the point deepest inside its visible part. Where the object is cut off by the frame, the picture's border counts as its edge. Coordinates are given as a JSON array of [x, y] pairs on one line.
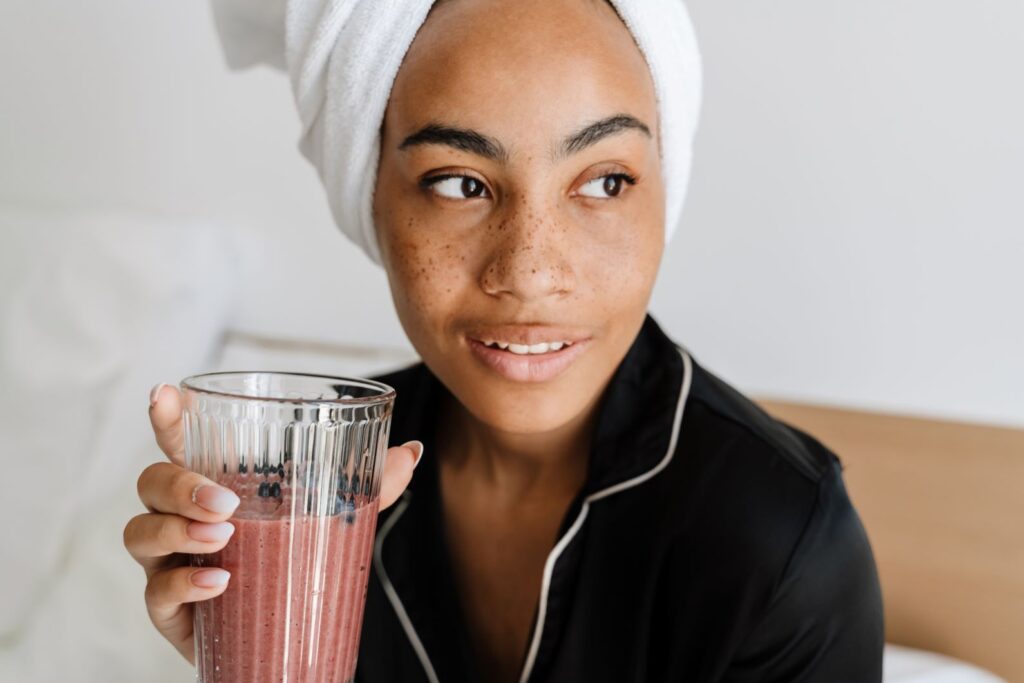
[[342, 57]]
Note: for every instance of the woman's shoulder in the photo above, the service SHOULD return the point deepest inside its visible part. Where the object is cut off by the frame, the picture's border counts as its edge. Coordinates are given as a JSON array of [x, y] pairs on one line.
[[746, 458], [765, 506], [762, 522], [759, 487], [730, 416]]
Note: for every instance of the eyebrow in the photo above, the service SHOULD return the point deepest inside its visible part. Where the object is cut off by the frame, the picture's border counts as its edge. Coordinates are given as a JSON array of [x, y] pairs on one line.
[[460, 138], [601, 129], [475, 142]]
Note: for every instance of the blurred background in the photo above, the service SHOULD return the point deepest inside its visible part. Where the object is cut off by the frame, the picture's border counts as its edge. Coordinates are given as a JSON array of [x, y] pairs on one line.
[[853, 239]]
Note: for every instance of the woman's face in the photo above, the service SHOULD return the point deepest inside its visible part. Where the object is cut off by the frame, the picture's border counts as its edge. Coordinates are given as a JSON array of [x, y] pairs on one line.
[[504, 214]]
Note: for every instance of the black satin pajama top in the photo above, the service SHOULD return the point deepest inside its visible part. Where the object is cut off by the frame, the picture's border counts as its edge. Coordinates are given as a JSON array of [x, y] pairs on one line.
[[711, 543]]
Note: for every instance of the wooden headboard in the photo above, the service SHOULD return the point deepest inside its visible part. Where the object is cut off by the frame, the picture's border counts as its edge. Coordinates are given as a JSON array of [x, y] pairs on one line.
[[943, 505]]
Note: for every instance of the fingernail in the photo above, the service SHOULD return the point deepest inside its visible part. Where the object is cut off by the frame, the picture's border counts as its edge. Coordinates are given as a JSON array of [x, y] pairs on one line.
[[154, 393], [215, 498], [417, 447], [209, 578], [201, 531]]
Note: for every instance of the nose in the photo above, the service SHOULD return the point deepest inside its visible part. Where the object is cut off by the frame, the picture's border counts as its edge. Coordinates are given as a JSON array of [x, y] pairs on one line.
[[530, 259]]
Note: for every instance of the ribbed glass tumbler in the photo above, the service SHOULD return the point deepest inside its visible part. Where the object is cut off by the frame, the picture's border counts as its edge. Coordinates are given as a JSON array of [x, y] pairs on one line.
[[305, 455]]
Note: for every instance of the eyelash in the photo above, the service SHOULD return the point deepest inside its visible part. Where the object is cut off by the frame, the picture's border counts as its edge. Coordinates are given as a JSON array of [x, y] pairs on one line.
[[429, 182], [630, 180]]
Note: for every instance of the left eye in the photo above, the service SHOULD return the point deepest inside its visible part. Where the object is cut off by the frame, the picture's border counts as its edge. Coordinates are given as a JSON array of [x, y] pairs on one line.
[[610, 185], [457, 186]]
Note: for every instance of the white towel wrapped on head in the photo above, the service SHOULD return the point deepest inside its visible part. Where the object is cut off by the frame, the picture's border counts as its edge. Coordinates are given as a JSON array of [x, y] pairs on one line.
[[342, 57]]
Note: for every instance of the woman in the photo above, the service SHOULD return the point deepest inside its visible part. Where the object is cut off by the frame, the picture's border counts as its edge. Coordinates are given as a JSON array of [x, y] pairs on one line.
[[594, 505]]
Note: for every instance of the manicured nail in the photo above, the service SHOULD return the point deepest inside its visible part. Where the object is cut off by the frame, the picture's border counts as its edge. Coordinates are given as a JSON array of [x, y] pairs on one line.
[[215, 498], [154, 393], [209, 578], [417, 448], [201, 531]]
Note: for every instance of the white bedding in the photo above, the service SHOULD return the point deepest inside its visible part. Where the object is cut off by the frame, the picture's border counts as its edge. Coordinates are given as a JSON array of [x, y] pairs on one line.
[[97, 306], [907, 665]]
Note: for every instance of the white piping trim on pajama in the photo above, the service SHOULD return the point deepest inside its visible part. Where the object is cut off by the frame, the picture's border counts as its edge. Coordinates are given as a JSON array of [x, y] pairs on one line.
[[553, 556], [389, 589]]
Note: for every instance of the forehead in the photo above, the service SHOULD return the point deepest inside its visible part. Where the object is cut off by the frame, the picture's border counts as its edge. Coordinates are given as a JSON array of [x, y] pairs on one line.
[[529, 67]]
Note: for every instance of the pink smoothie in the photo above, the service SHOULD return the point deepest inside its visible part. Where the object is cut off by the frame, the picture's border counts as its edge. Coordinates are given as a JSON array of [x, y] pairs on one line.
[[254, 632]]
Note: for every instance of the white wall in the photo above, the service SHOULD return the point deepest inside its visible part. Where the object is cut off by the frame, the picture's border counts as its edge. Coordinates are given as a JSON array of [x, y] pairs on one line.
[[856, 230], [851, 233]]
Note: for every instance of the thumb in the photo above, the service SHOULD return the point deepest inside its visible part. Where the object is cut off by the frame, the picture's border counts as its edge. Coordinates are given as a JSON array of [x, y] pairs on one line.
[[165, 415], [398, 467]]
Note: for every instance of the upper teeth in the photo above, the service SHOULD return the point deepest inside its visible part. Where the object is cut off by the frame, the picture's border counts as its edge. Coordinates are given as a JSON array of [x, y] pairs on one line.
[[543, 347]]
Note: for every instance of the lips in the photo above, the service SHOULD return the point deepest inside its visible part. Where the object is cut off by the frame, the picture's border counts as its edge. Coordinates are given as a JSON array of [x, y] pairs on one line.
[[527, 353]]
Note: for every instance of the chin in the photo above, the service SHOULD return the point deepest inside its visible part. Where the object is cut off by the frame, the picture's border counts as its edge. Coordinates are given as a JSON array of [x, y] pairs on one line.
[[518, 413]]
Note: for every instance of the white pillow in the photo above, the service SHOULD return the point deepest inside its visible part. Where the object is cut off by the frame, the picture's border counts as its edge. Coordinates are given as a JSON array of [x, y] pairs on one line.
[[97, 307], [906, 665]]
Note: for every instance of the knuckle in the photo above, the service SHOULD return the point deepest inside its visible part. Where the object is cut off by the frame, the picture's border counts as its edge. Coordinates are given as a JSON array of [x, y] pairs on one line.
[[167, 533], [131, 530], [149, 476], [153, 589], [182, 480], [162, 587]]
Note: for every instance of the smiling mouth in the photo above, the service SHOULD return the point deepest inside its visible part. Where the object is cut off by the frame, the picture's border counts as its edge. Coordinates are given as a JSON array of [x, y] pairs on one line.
[[539, 348], [539, 361]]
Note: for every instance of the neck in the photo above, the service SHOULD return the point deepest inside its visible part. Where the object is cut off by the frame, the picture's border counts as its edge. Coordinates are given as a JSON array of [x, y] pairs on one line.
[[517, 465]]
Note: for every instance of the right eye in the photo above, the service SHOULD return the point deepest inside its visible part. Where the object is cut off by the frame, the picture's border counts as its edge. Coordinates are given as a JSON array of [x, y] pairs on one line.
[[456, 186]]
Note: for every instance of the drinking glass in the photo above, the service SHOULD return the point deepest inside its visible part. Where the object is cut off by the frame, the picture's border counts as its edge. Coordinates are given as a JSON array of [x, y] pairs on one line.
[[305, 454]]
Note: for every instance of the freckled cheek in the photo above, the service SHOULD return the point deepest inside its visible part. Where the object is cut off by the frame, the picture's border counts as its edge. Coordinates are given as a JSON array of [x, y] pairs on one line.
[[431, 277]]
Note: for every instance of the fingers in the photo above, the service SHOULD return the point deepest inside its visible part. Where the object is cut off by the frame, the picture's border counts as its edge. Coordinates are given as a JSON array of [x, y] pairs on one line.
[[165, 414], [168, 591], [165, 487], [151, 537], [398, 468]]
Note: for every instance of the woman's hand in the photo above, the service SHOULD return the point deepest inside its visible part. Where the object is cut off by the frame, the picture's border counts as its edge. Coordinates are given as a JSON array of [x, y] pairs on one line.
[[188, 513]]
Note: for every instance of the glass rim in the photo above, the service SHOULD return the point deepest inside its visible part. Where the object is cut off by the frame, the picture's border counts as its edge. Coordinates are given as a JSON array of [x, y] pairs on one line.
[[388, 392]]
